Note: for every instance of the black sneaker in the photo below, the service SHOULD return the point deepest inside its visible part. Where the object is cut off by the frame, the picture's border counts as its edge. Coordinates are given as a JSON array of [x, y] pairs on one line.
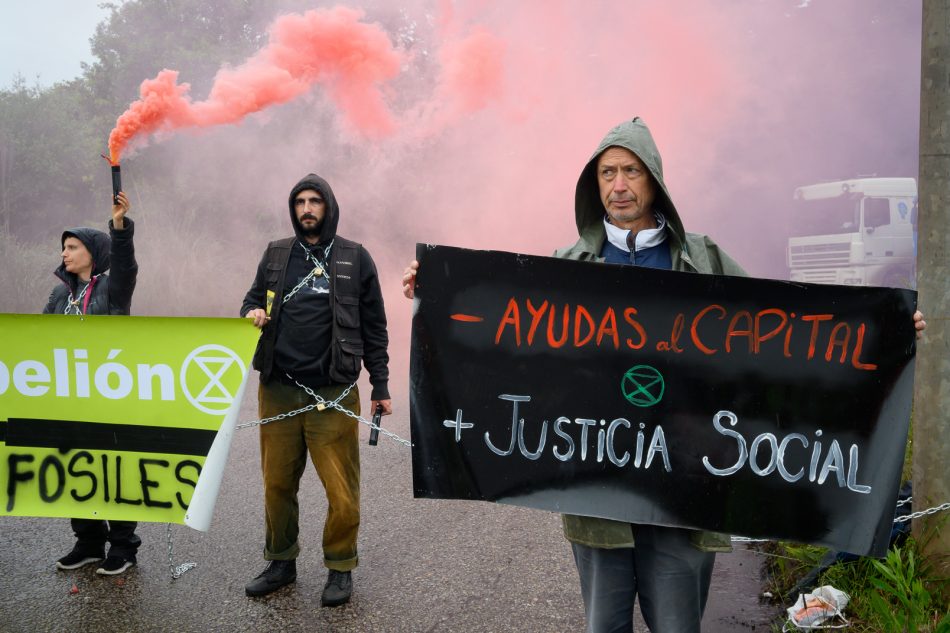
[[338, 588], [277, 574], [77, 558], [114, 566]]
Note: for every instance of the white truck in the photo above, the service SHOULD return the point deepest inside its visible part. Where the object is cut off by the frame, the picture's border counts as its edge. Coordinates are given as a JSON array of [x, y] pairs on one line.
[[858, 232]]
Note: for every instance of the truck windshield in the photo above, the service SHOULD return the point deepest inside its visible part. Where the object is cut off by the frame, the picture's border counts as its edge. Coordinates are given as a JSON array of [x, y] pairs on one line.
[[826, 216]]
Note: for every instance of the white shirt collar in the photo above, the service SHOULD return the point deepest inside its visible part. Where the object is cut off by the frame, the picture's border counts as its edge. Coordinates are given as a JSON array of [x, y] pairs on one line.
[[646, 238]]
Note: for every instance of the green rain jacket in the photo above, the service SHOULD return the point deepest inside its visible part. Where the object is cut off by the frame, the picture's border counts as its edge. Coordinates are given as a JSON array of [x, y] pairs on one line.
[[690, 252]]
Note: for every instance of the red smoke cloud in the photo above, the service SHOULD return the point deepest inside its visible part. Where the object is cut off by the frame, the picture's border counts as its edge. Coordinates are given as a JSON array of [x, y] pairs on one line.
[[332, 47], [322, 46], [472, 70]]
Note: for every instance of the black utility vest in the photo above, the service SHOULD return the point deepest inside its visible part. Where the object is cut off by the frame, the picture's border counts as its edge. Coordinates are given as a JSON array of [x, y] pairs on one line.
[[346, 343]]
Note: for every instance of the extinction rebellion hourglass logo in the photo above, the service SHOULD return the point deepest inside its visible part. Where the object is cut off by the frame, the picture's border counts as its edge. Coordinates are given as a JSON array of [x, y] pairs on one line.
[[215, 372], [642, 386]]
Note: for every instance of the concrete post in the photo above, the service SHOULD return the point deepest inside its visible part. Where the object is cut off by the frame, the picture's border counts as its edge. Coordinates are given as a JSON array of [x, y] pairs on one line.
[[931, 468]]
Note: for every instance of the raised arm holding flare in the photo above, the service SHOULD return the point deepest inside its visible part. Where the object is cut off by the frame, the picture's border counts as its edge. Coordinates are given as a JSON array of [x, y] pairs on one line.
[[86, 288]]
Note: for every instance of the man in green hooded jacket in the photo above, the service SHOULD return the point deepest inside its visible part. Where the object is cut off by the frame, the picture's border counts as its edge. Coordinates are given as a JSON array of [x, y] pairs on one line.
[[625, 215]]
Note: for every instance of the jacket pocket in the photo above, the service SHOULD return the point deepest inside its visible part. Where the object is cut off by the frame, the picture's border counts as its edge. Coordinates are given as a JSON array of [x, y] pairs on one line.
[[351, 354], [272, 275], [348, 311]]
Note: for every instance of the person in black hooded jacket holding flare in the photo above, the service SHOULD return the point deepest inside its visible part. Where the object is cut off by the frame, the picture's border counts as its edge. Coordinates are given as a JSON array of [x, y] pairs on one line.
[[86, 288]]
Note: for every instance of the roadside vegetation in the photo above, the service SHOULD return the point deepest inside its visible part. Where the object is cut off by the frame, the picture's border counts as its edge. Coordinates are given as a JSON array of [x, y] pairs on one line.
[[901, 593]]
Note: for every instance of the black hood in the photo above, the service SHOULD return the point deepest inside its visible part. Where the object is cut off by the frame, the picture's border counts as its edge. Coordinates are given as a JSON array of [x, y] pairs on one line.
[[96, 242], [332, 215]]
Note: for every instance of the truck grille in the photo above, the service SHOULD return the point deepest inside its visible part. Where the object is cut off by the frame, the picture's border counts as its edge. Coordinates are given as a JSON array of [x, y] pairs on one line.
[[817, 276], [831, 255]]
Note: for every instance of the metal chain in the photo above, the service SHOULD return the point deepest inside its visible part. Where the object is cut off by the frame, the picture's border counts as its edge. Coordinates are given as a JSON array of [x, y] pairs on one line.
[[74, 303], [900, 519], [303, 282], [326, 256], [317, 266], [289, 414], [321, 404], [917, 515], [336, 405], [176, 571], [368, 423]]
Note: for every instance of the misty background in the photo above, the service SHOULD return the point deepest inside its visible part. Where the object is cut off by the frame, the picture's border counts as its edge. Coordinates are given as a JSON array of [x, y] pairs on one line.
[[747, 100]]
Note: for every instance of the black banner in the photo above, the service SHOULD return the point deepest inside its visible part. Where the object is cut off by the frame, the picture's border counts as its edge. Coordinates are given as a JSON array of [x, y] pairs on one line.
[[752, 407]]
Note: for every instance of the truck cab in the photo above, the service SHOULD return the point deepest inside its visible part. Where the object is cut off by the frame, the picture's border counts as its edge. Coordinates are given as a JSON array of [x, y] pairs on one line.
[[857, 232]]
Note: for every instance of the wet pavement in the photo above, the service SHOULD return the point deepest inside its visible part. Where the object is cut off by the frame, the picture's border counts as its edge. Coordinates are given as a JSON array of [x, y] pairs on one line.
[[424, 566]]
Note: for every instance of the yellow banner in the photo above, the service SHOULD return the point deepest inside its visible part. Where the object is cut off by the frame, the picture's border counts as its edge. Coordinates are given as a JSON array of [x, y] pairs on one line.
[[117, 417]]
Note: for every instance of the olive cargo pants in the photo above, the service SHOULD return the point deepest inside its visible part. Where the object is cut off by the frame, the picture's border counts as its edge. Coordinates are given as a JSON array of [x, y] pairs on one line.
[[332, 440]]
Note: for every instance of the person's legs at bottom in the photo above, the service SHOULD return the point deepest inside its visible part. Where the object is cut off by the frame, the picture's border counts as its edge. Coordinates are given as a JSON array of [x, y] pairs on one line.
[[674, 579], [123, 541], [123, 545], [609, 587], [91, 535], [283, 458], [333, 442], [90, 544]]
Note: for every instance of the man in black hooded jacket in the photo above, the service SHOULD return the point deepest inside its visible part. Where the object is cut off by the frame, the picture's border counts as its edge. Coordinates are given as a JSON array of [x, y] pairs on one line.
[[87, 289], [317, 300]]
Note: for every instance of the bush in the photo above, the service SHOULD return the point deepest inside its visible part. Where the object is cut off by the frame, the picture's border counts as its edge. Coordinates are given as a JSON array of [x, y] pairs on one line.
[[901, 593]]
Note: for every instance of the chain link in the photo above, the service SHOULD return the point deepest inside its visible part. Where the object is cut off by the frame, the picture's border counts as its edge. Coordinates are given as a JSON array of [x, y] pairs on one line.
[[339, 407], [73, 304], [917, 515], [303, 282], [900, 519], [176, 571], [317, 265], [321, 404], [282, 416]]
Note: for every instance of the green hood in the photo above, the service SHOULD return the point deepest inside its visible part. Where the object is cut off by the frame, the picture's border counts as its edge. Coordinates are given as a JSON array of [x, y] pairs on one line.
[[589, 209]]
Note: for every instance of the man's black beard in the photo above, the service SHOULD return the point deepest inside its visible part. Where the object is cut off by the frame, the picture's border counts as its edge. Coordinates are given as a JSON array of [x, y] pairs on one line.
[[313, 232]]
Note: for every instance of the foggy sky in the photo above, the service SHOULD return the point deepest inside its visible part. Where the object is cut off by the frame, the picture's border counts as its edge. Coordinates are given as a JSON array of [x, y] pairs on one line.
[[45, 40]]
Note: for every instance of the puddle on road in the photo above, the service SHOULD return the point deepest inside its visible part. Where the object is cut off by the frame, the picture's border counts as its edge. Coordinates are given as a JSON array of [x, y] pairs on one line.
[[734, 599]]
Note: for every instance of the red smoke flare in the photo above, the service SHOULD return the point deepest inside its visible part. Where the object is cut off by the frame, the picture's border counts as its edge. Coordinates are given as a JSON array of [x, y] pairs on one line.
[[331, 47]]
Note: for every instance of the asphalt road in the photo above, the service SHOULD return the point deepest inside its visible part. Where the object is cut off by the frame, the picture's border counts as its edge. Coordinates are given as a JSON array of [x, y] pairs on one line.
[[424, 566]]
